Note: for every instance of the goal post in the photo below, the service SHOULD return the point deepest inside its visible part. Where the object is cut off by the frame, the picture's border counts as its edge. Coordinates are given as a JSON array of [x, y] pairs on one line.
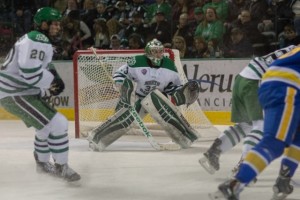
[[95, 97]]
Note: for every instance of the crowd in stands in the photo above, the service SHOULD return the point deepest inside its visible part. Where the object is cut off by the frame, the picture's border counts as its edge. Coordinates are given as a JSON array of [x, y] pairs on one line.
[[197, 28]]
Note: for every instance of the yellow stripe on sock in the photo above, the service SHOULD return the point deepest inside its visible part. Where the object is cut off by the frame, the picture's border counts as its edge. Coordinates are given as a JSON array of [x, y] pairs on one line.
[[256, 160], [293, 152]]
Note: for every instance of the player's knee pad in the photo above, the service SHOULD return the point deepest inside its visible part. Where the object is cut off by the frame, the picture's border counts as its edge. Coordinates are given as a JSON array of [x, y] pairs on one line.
[[270, 147], [58, 125], [170, 118]]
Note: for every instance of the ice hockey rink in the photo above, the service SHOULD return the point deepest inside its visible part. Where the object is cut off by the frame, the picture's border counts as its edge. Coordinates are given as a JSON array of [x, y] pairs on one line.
[[129, 169]]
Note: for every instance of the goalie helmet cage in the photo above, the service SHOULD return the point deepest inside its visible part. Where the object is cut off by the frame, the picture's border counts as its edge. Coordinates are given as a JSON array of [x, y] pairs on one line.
[[95, 97]]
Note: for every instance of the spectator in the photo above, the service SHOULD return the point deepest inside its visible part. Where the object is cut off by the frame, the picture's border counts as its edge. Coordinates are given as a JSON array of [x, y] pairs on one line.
[[290, 36], [102, 12], [89, 13], [137, 6], [234, 9], [198, 18], [76, 32], [119, 17], [101, 35], [249, 27], [211, 27], [71, 5], [60, 52], [180, 7], [281, 13], [295, 5], [178, 42], [257, 9], [239, 46], [5, 7], [198, 49], [161, 29], [183, 29], [213, 50], [115, 42], [60, 5], [135, 41], [221, 7], [161, 6], [123, 9], [22, 15], [136, 26]]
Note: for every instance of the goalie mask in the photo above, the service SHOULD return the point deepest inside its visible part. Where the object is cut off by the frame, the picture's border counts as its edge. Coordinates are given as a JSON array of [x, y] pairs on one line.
[[154, 51]]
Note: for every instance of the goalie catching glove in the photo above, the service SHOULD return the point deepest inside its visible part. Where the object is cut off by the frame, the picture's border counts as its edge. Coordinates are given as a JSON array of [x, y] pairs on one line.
[[188, 94]]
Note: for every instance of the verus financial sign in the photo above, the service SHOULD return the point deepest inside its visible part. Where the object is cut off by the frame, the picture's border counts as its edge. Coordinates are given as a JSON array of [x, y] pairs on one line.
[[216, 78]]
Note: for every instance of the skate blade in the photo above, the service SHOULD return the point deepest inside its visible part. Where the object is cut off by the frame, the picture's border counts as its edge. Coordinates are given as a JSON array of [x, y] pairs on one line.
[[252, 183], [73, 183], [205, 164], [216, 195], [277, 196]]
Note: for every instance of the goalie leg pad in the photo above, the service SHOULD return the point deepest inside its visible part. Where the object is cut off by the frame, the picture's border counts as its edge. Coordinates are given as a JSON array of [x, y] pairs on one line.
[[170, 118], [108, 132]]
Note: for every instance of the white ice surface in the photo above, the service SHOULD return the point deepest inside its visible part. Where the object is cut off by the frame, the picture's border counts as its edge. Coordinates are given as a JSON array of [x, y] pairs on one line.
[[128, 170]]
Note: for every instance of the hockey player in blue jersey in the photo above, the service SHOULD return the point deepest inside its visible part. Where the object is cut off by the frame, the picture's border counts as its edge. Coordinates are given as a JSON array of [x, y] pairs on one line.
[[279, 95]]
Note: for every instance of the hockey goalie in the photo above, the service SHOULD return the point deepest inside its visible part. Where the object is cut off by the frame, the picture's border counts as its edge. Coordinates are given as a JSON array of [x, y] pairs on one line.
[[157, 81]]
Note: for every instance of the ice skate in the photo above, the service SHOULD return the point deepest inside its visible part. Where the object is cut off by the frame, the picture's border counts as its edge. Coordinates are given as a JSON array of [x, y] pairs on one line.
[[210, 161], [282, 188], [44, 167], [66, 173], [229, 190], [235, 170]]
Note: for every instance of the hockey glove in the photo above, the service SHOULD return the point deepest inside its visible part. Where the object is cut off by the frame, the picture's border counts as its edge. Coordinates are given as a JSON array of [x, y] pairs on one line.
[[191, 91], [188, 94], [57, 87]]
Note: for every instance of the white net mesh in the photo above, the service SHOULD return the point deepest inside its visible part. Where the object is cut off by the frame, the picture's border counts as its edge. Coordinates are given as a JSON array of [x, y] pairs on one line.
[[96, 98]]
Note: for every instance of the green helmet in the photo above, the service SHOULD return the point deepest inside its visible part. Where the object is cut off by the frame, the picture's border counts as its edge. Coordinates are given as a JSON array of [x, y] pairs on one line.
[[46, 14], [154, 51]]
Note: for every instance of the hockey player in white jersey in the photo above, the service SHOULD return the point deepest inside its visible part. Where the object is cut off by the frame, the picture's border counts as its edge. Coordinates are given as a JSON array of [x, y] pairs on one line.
[[26, 76], [156, 77], [246, 113]]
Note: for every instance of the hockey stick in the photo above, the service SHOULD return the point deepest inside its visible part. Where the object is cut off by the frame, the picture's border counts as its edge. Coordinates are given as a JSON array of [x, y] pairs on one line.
[[148, 135], [101, 64], [137, 118], [202, 81]]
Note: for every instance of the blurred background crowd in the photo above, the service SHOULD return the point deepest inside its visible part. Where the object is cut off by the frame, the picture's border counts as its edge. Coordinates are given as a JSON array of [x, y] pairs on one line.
[[197, 28]]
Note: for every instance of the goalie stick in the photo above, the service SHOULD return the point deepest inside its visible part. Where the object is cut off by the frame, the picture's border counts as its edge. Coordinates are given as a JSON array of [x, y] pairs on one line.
[[133, 112]]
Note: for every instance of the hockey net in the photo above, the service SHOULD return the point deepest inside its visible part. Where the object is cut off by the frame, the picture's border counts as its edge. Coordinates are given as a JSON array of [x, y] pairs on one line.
[[95, 97]]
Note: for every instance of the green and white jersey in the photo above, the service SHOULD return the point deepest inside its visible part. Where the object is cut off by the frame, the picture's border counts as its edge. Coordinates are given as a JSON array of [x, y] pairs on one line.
[[164, 78], [258, 65], [24, 71]]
